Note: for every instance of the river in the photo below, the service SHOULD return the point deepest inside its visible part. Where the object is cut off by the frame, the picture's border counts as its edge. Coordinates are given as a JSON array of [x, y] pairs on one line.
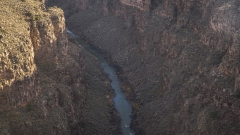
[[121, 104]]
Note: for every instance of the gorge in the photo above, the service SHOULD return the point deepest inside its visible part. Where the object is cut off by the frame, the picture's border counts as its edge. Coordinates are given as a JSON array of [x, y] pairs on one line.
[[178, 61], [121, 104]]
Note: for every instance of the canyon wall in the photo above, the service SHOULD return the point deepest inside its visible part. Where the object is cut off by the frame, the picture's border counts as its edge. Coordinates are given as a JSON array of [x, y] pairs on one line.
[[45, 78], [181, 58], [36, 96]]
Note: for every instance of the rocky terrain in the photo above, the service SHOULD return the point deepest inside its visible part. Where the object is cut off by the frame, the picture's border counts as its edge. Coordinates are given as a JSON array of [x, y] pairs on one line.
[[49, 84], [181, 58]]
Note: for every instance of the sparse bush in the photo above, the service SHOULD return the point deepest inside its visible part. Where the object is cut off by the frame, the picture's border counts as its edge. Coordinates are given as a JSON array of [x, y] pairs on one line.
[[2, 30], [213, 114], [23, 0], [238, 94], [30, 106], [33, 16], [202, 75], [38, 17], [29, 14]]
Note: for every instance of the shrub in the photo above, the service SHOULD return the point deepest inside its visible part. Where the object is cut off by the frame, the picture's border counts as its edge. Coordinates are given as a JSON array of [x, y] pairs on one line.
[[30, 106], [2, 31], [33, 16], [238, 94], [28, 14], [213, 114], [38, 17]]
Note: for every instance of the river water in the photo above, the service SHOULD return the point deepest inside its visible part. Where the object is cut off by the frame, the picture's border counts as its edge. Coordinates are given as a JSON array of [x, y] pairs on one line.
[[120, 102]]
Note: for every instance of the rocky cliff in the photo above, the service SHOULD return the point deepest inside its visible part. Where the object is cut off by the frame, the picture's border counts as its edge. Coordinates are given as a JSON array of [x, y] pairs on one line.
[[181, 58], [45, 79]]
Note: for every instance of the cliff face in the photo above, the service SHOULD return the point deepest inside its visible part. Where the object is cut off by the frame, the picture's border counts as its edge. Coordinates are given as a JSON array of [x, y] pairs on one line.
[[34, 98], [19, 49], [44, 78], [48, 36], [181, 58]]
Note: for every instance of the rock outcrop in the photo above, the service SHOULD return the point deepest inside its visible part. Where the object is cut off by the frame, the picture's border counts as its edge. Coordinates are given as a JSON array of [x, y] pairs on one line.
[[49, 36], [181, 58]]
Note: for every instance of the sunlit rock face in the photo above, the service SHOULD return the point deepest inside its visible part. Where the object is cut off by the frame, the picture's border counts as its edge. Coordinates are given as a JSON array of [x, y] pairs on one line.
[[48, 36]]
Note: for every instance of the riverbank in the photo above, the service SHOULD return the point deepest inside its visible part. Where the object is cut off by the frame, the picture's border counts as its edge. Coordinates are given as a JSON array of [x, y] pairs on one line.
[[125, 87], [99, 114]]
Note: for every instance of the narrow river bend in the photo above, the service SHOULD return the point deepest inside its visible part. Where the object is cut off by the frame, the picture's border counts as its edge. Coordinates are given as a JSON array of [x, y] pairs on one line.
[[120, 102]]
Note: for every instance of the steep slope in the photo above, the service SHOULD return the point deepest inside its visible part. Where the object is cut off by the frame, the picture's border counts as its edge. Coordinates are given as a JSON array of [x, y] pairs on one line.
[[181, 58], [45, 79]]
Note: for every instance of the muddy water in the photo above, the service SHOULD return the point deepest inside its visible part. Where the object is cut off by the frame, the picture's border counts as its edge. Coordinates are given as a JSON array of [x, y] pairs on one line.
[[120, 102]]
